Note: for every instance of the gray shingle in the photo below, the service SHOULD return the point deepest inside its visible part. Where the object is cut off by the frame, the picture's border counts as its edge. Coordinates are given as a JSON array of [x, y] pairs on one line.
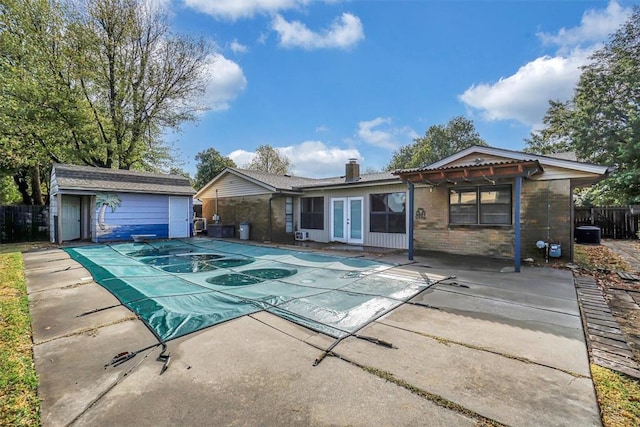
[[293, 183], [74, 177]]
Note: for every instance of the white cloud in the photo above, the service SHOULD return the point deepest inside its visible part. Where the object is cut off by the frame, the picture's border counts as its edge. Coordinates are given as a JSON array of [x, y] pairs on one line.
[[524, 96], [241, 157], [237, 9], [322, 128], [312, 159], [225, 82], [237, 47], [344, 32], [595, 26], [385, 137]]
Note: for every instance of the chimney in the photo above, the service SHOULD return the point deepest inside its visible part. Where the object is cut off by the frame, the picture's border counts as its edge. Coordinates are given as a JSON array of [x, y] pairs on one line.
[[352, 171]]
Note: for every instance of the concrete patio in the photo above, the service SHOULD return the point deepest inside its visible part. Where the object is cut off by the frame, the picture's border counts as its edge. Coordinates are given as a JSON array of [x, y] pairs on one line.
[[484, 346]]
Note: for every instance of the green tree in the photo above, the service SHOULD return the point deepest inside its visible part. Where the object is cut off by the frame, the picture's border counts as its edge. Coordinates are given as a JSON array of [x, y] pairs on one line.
[[210, 163], [93, 82], [554, 137], [32, 131], [9, 194], [438, 142], [601, 124], [268, 159]]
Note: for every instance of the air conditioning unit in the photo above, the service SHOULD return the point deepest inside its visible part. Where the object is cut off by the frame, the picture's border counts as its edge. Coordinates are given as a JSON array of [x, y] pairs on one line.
[[302, 235]]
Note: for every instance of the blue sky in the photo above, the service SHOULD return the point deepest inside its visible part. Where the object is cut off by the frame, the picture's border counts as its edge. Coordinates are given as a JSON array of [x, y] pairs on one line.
[[325, 81]]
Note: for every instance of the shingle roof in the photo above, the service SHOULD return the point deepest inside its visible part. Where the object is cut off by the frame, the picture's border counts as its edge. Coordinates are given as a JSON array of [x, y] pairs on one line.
[[74, 177], [365, 178], [277, 181], [293, 183]]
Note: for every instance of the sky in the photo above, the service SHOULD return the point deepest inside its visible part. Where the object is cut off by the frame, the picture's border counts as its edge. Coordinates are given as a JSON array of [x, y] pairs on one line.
[[326, 81]]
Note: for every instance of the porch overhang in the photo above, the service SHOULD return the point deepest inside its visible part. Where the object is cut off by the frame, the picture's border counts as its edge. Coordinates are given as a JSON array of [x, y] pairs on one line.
[[471, 173]]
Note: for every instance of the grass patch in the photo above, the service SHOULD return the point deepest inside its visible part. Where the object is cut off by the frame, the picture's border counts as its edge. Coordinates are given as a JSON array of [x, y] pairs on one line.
[[19, 404], [7, 248], [618, 397]]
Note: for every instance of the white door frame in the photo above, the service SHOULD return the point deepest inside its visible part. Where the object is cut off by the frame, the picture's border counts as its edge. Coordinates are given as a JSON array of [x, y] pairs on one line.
[[179, 223], [349, 234]]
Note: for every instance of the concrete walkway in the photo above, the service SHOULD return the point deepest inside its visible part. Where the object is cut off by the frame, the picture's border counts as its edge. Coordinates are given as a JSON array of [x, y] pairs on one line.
[[484, 346]]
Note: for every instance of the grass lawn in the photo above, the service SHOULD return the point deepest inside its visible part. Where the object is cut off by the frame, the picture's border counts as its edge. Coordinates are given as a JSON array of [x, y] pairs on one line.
[[19, 404], [618, 397]]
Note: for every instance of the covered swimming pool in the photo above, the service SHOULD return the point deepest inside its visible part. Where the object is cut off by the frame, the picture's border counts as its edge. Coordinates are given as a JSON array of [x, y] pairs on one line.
[[177, 287]]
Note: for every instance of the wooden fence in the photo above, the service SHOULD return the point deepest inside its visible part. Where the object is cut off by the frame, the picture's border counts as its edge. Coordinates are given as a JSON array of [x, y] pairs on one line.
[[615, 222], [24, 223]]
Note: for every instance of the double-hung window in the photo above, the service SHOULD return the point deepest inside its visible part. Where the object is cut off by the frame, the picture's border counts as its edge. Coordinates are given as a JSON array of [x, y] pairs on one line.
[[388, 213], [312, 213], [482, 205]]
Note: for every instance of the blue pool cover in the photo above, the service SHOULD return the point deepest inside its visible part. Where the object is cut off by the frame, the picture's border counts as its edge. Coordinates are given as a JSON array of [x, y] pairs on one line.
[[181, 286]]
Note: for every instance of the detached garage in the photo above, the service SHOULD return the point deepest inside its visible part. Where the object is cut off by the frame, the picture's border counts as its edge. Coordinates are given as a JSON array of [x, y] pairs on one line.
[[102, 205]]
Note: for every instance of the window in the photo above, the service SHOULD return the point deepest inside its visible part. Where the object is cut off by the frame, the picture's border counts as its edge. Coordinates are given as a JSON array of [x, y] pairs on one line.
[[388, 213], [485, 205], [288, 215], [312, 213]]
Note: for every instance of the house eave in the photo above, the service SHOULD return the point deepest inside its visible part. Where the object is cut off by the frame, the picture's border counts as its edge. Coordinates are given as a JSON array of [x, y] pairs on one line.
[[517, 155], [344, 185]]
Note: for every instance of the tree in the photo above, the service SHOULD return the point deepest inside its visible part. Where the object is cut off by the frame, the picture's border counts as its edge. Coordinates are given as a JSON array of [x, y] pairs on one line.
[[601, 123], [93, 82], [8, 192], [268, 159], [210, 164], [32, 133], [437, 143], [554, 136]]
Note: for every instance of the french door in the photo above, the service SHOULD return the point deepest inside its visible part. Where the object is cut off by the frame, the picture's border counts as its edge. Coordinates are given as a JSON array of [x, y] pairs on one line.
[[347, 220]]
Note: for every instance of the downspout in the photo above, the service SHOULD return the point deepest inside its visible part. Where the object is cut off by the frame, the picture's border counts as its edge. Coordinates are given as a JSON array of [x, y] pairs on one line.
[[270, 225], [411, 196], [517, 224], [572, 220]]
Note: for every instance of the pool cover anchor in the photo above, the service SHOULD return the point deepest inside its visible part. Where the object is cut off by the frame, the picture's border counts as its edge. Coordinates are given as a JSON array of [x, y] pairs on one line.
[[124, 356], [166, 358]]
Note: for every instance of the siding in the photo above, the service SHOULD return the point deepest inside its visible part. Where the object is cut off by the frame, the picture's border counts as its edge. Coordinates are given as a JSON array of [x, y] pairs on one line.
[[135, 214], [383, 240], [233, 186], [555, 173]]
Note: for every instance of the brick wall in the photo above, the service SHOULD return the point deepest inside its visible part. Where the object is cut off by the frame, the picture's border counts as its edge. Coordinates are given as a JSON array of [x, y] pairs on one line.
[[546, 211], [433, 232], [255, 210]]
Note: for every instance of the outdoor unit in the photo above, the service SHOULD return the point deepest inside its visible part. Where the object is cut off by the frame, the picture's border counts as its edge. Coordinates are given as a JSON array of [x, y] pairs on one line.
[[302, 235]]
